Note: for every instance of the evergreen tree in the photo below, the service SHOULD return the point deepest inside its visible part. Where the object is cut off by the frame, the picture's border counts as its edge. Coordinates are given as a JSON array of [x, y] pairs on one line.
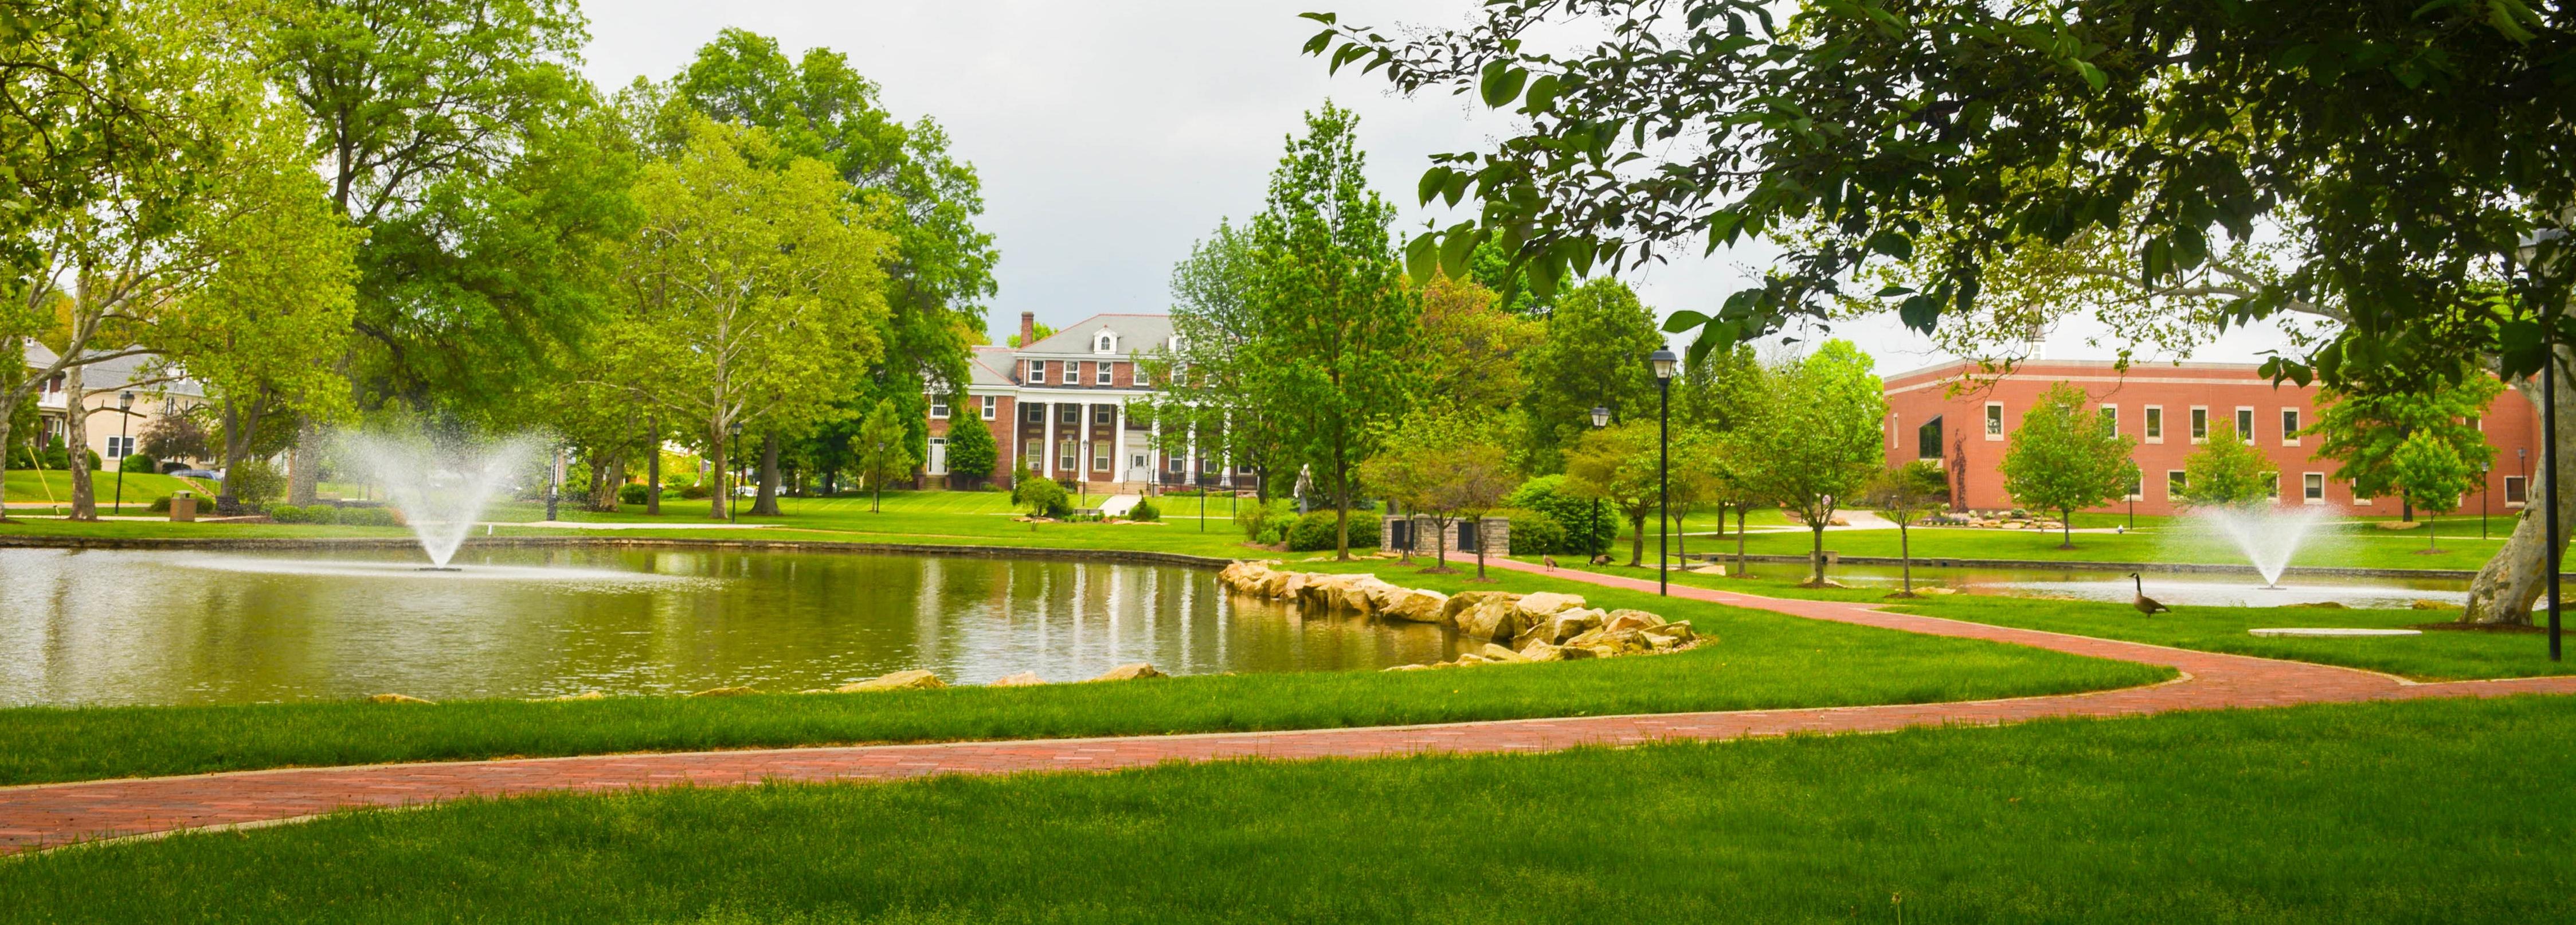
[[1593, 355], [971, 451]]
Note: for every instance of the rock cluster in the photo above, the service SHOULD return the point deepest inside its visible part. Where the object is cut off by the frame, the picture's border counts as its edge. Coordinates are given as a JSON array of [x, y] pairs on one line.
[[1542, 627]]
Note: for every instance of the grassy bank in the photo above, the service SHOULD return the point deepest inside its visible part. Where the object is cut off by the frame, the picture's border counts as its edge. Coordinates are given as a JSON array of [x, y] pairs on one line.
[[2442, 655], [2316, 814], [1758, 660]]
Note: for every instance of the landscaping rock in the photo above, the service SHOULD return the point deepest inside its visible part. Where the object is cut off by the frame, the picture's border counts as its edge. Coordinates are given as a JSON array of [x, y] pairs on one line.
[[1023, 679], [1546, 603], [1574, 653], [2432, 605], [399, 698], [726, 692], [1559, 627], [1496, 653], [1631, 620], [913, 680], [1407, 668], [1417, 606], [1494, 620], [1542, 652], [1463, 600], [1678, 629], [1131, 671]]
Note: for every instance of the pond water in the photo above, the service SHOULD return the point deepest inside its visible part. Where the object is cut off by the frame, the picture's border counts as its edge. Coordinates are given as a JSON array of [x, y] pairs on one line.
[[2172, 588], [112, 627]]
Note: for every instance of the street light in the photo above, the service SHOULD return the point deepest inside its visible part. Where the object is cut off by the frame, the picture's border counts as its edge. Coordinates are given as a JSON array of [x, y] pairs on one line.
[[732, 460], [2530, 252], [1663, 362], [1600, 419], [124, 443]]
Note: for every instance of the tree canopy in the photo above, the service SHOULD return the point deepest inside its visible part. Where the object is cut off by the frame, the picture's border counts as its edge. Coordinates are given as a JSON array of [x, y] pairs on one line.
[[2065, 456]]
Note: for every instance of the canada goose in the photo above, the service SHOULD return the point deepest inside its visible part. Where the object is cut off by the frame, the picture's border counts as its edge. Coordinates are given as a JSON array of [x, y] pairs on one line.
[[2146, 605], [1550, 561]]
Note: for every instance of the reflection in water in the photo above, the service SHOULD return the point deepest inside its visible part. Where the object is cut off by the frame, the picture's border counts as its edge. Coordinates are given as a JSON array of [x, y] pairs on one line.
[[96, 627]]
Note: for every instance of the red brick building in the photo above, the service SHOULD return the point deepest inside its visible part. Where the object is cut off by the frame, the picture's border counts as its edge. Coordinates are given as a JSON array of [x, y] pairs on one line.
[[2169, 410], [1060, 404]]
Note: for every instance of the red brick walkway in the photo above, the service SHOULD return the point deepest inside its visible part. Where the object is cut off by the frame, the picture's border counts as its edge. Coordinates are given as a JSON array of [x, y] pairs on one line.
[[54, 814]]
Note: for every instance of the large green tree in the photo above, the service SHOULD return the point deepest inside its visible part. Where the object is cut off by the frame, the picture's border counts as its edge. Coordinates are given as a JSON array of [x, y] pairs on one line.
[[1334, 351], [1209, 381], [2228, 472], [2361, 427], [1617, 465], [753, 288], [1593, 355], [1817, 441], [2064, 457]]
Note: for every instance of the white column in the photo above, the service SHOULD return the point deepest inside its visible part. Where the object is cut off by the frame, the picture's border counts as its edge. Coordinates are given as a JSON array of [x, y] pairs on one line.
[[1118, 446], [1046, 464], [1194, 457], [1154, 471]]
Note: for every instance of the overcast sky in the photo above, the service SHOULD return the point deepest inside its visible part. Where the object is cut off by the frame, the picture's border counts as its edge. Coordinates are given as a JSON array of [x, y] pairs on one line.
[[1109, 135]]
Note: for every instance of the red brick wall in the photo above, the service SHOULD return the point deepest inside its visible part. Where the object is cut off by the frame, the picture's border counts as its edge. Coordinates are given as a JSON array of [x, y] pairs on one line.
[[1976, 460]]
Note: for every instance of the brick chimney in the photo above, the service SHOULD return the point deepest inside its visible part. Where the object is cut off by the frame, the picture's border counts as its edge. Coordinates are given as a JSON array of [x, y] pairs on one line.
[[1028, 328]]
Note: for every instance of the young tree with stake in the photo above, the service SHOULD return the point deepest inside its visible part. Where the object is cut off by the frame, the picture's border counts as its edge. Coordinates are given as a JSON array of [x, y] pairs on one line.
[[2064, 457]]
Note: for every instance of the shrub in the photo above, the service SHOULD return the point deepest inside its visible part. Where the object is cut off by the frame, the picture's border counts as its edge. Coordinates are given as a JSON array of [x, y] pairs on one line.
[[1266, 523], [1043, 498], [1578, 532], [1145, 510], [137, 462], [1315, 532], [160, 505], [694, 493], [634, 493], [1534, 532], [254, 482], [367, 517], [314, 514]]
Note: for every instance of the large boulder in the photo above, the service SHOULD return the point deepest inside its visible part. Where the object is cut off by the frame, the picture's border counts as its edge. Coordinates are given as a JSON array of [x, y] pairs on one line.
[[1417, 606], [1558, 627], [1631, 620], [1023, 679], [1536, 607], [912, 680], [1131, 671], [1459, 603], [1492, 620], [1273, 584], [1494, 652]]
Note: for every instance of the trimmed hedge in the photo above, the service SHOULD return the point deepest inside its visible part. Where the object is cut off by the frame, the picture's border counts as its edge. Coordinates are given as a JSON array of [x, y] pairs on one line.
[[1315, 531]]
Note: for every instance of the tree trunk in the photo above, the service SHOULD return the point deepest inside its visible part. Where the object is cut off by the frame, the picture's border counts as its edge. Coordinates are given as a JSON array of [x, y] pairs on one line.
[[653, 477], [1479, 526], [1740, 511], [716, 469], [304, 463], [767, 504], [1637, 541], [6, 408], [2066, 528], [1816, 555], [1905, 558], [2504, 589], [1439, 544], [76, 444]]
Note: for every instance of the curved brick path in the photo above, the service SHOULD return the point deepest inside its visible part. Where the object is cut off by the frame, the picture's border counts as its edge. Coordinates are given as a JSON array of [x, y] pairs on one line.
[[54, 814]]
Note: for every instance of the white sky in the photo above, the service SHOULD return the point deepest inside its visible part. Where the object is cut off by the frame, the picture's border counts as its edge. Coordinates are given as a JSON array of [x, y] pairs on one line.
[[1109, 135]]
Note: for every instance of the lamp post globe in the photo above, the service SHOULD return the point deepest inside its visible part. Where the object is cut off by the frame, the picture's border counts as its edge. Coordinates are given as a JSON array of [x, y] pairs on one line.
[[1663, 361]]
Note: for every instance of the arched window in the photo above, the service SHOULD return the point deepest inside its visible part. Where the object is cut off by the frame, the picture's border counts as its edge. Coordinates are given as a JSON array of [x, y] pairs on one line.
[[1104, 343]]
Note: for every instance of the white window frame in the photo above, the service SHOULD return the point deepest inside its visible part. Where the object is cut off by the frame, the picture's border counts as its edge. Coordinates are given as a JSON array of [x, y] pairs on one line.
[[2245, 429], [1099, 455], [1072, 413], [2111, 413], [2138, 484], [2509, 482], [1994, 420], [2155, 425], [938, 409], [2312, 488], [1037, 372], [119, 447], [1068, 456], [1036, 450], [2173, 479], [1104, 414], [1104, 342], [2357, 499], [1101, 376], [1033, 412], [2289, 432], [2199, 424], [992, 406]]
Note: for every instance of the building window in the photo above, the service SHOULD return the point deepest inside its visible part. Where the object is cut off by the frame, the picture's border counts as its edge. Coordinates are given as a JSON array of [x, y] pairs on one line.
[[2199, 424], [1927, 439], [1037, 371], [2312, 488], [2272, 488], [2155, 424], [2174, 485], [1105, 343], [2110, 419], [1100, 413], [1099, 456], [120, 447], [1100, 375], [2357, 497], [1036, 451], [2514, 491], [2478, 424], [1176, 465], [2137, 484], [2245, 425], [939, 409], [992, 406], [1072, 414], [2289, 427], [1994, 420], [1033, 413]]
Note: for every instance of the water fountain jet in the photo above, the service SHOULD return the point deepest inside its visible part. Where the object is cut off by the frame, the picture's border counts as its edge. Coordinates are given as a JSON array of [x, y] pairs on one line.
[[441, 490], [2268, 537]]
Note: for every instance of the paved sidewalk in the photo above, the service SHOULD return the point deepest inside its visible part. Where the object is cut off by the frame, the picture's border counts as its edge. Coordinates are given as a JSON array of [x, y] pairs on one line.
[[47, 815]]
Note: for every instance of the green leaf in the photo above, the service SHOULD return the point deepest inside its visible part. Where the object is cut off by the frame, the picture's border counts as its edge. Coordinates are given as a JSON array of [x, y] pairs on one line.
[[1683, 320], [2093, 76], [1920, 312], [1502, 83], [1422, 256], [1321, 41], [1454, 250], [1432, 180], [1542, 94], [1325, 18]]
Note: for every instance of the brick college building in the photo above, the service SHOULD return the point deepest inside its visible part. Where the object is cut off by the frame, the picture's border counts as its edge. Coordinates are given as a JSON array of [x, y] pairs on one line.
[[1061, 405], [2168, 410]]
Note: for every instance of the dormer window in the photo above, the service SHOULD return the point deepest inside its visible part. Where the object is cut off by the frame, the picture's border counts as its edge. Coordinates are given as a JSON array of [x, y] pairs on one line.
[[1104, 342], [1175, 344]]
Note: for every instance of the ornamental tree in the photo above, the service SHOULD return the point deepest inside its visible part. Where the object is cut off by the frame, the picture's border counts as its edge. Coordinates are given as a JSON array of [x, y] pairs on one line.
[[2065, 457], [2228, 472], [882, 450], [2429, 472], [1816, 443], [1444, 466], [1616, 465], [971, 451], [2361, 427], [1904, 495]]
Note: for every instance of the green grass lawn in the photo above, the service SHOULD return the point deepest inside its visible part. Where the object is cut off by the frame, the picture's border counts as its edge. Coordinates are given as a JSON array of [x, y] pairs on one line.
[[2435, 655], [2349, 545], [1759, 660], [2448, 811], [141, 488]]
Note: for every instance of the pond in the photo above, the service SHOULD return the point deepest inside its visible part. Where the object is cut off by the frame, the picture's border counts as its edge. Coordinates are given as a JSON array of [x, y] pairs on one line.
[[2203, 589], [114, 627]]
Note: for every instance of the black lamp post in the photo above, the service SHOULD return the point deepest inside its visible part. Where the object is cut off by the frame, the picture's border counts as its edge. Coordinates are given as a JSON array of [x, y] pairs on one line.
[[732, 461], [2484, 480], [1600, 419], [1663, 362], [2548, 423], [124, 445]]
